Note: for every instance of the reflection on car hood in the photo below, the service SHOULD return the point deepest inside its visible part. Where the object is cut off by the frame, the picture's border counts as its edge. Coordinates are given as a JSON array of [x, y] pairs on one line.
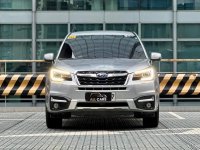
[[129, 65]]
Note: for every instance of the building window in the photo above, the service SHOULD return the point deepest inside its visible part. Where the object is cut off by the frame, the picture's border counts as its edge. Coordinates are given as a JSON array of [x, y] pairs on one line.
[[165, 48], [121, 4], [188, 50], [123, 27], [86, 4], [188, 4], [69, 4], [188, 66], [21, 50], [47, 47], [188, 31], [104, 4], [86, 27], [18, 67], [15, 4], [51, 31], [156, 4], [156, 31], [15, 31], [53, 4], [15, 50]]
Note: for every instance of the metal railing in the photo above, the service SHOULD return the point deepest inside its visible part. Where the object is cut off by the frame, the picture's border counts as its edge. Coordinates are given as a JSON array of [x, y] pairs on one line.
[[5, 62], [175, 61], [34, 99], [5, 69], [180, 60]]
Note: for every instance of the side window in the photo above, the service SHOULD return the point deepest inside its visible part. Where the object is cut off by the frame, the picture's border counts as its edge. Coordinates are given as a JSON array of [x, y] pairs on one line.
[[137, 52], [66, 52]]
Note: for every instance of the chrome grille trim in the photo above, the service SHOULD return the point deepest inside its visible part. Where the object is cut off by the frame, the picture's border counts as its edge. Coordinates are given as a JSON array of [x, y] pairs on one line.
[[112, 78], [95, 75], [101, 89]]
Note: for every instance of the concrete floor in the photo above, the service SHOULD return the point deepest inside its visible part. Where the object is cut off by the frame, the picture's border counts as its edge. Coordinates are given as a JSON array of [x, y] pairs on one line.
[[27, 130]]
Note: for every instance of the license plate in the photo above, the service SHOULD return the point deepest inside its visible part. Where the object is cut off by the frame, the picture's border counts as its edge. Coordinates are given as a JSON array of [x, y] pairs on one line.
[[98, 97]]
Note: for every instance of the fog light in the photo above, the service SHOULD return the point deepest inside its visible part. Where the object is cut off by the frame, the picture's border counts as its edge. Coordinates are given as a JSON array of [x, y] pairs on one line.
[[145, 102], [58, 100], [56, 105], [148, 105]]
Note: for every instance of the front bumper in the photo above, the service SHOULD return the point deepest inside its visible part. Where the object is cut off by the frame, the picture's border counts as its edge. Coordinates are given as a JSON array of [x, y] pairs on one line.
[[125, 97]]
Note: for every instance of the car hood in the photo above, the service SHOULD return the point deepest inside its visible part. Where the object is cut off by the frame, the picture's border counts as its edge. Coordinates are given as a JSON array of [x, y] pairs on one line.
[[129, 65]]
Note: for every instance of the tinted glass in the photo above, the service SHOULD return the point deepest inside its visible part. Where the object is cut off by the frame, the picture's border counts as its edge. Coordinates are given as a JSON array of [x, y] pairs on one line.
[[53, 4], [188, 66], [8, 31], [104, 5], [166, 49], [15, 4], [43, 67], [18, 67], [86, 27], [156, 30], [69, 5], [188, 30], [51, 31], [121, 4], [15, 50], [188, 50], [86, 5], [122, 27], [156, 4], [104, 46], [188, 4], [47, 47]]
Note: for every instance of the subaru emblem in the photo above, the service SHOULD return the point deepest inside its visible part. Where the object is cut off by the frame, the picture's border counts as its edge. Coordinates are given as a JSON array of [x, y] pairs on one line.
[[102, 75]]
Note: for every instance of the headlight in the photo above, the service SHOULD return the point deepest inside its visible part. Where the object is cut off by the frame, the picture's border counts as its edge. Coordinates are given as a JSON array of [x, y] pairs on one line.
[[60, 75], [146, 74]]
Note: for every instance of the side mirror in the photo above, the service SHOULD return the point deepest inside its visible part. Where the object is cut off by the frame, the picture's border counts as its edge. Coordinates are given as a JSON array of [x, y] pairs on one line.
[[49, 57], [156, 56]]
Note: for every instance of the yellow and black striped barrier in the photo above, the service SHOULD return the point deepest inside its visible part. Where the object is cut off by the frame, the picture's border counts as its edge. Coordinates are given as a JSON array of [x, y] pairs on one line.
[[29, 85], [180, 84], [22, 85]]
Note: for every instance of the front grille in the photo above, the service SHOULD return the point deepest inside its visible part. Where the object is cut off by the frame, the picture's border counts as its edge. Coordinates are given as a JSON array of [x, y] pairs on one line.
[[102, 89], [91, 78]]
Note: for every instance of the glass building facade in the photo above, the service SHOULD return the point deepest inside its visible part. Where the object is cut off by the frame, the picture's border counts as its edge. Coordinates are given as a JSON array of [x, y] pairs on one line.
[[31, 28]]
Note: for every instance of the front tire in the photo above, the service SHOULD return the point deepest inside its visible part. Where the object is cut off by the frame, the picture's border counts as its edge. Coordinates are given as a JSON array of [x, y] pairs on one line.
[[53, 123], [151, 121]]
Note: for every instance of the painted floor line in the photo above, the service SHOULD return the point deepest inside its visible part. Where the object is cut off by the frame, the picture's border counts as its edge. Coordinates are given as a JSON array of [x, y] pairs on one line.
[[10, 119], [175, 115]]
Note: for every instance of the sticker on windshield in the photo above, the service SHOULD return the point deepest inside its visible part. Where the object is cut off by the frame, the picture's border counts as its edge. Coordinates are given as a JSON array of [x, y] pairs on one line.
[[72, 37], [130, 36]]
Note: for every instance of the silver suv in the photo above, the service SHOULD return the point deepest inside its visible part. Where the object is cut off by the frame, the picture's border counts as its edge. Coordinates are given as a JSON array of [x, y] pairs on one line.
[[107, 72]]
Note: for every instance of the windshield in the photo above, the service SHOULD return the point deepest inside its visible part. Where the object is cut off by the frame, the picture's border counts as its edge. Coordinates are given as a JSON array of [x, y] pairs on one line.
[[102, 46]]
